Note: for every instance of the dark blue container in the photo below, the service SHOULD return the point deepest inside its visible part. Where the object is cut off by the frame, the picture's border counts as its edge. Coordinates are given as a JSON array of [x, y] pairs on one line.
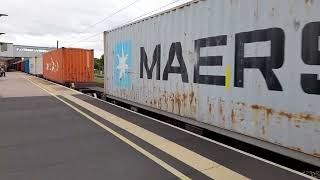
[[26, 65]]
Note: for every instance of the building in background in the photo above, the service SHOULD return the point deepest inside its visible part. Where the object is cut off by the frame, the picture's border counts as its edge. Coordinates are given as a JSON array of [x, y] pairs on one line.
[[10, 53]]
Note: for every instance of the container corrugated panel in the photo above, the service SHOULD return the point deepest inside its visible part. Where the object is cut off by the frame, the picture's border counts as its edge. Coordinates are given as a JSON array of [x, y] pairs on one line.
[[246, 66], [19, 66], [36, 65], [26, 65], [68, 65], [39, 65], [22, 66], [32, 66]]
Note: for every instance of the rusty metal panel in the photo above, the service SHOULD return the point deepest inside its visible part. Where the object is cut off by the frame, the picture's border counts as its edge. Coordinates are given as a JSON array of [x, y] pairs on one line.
[[68, 65], [248, 66], [52, 62]]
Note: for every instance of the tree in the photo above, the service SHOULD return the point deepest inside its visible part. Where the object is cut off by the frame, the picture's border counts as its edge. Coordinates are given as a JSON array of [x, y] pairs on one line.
[[99, 63]]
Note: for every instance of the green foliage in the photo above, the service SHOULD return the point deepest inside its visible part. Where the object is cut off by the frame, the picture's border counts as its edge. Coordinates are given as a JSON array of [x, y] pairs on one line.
[[99, 63]]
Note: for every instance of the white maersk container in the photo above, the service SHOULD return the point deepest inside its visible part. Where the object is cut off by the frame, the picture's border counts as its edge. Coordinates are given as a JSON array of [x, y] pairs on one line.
[[248, 69], [36, 66], [32, 64]]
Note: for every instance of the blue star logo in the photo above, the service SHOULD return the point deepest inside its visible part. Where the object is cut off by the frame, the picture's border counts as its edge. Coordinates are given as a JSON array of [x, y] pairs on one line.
[[123, 64]]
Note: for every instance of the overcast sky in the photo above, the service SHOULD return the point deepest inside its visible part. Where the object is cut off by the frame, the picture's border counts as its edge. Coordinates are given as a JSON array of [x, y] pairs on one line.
[[43, 22]]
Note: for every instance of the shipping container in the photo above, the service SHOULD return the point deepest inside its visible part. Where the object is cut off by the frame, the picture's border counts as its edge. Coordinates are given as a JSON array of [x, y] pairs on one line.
[[22, 66], [26, 65], [68, 65], [248, 69], [36, 66], [32, 63], [19, 66], [14, 66], [39, 65]]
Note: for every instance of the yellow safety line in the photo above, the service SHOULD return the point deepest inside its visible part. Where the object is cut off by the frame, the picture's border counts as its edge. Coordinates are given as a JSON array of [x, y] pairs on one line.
[[124, 139], [196, 161]]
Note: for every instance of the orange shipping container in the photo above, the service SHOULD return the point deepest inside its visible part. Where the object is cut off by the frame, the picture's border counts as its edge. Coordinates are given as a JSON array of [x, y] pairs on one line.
[[19, 66], [68, 65], [22, 66]]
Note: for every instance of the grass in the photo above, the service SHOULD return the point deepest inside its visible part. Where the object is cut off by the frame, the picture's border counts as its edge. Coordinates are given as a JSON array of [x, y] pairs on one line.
[[99, 80]]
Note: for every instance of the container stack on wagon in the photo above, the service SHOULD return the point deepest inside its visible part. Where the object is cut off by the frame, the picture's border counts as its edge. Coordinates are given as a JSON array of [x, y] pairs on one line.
[[13, 66], [68, 65], [32, 63], [36, 66], [19, 64], [26, 65], [22, 66], [233, 70]]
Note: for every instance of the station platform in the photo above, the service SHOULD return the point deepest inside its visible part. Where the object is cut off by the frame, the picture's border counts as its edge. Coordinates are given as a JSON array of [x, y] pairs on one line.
[[50, 132]]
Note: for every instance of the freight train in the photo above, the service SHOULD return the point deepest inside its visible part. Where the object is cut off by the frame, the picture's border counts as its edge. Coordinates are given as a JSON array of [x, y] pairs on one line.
[[64, 66], [245, 69]]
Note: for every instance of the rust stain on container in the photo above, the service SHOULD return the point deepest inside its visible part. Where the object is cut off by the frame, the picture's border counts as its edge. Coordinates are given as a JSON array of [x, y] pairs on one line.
[[221, 107], [263, 130], [191, 97], [165, 100], [154, 102], [239, 111], [308, 2], [297, 149], [221, 111], [193, 103], [172, 102], [210, 108], [185, 97], [283, 114], [160, 103], [316, 154], [233, 116], [307, 117], [300, 116], [178, 102], [268, 111]]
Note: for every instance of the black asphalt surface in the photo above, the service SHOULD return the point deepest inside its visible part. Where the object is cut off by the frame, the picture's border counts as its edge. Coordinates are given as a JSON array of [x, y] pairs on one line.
[[247, 166], [187, 170], [41, 138]]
